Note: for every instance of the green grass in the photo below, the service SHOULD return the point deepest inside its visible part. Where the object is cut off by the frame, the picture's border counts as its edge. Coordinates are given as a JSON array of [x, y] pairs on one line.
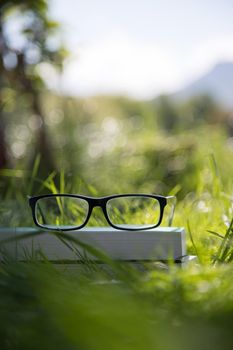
[[43, 306]]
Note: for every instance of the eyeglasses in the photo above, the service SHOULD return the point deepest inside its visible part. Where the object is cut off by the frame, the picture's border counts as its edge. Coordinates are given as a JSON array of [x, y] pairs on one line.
[[131, 212]]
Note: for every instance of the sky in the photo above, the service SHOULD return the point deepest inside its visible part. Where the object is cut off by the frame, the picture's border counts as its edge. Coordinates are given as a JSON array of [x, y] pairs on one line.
[[141, 48]]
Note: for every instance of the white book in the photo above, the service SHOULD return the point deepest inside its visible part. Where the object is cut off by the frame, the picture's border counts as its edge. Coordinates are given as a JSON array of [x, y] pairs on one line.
[[162, 243]]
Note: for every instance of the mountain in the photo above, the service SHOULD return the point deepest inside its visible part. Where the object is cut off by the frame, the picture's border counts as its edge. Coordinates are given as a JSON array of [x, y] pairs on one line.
[[217, 83]]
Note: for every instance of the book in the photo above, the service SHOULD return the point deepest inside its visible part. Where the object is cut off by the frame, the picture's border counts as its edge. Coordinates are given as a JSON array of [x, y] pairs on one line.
[[162, 243]]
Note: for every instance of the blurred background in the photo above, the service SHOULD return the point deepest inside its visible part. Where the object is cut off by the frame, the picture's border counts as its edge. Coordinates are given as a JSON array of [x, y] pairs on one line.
[[100, 97], [116, 96]]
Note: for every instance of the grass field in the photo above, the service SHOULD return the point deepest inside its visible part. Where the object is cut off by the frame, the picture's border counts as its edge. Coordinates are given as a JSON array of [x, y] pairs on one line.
[[122, 308]]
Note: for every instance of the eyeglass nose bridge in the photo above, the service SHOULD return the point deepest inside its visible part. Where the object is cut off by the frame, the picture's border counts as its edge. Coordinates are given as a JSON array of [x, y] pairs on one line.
[[98, 202]]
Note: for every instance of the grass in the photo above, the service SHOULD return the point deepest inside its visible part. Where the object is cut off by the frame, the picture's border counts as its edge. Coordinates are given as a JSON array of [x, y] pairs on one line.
[[43, 307], [121, 307]]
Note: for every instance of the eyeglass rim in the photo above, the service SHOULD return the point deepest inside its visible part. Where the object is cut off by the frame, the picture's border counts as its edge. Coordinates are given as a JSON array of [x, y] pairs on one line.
[[102, 202]]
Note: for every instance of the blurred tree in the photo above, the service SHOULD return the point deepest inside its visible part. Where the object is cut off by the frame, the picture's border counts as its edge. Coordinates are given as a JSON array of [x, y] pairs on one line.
[[21, 54], [168, 117], [200, 110]]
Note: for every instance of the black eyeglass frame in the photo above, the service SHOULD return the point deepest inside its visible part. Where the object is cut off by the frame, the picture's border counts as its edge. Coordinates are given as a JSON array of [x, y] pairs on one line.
[[102, 202]]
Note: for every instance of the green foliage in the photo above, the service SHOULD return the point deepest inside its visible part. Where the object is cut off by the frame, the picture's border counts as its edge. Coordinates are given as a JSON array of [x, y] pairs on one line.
[[167, 114], [103, 145], [44, 305], [119, 306], [34, 46]]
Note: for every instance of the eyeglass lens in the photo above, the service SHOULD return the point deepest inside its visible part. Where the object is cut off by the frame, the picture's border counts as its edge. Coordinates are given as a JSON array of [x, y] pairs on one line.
[[60, 212], [133, 211]]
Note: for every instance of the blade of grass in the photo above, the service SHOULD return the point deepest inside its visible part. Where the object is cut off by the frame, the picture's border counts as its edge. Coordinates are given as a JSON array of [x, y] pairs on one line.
[[216, 234], [221, 251], [34, 173], [62, 182], [192, 240]]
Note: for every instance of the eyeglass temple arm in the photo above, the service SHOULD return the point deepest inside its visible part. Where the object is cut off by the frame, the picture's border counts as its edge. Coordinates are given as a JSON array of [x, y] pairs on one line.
[[171, 200]]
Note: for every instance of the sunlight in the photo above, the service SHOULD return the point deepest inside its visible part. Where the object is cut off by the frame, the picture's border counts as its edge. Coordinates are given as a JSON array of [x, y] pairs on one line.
[[120, 65]]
